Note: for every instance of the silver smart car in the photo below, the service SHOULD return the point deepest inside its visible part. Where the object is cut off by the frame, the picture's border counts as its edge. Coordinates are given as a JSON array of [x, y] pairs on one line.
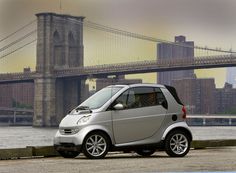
[[137, 117]]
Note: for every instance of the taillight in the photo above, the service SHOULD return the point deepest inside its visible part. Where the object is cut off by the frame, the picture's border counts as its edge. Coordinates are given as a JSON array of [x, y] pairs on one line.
[[184, 112]]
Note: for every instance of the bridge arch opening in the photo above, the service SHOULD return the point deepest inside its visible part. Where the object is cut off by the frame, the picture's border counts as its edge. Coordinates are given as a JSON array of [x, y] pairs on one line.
[[58, 58], [73, 59]]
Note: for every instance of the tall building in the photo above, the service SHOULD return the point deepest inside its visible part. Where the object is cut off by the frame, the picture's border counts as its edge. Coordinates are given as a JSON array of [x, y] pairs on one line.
[[225, 99], [5, 95], [186, 91], [196, 94], [174, 51], [17, 94], [231, 76]]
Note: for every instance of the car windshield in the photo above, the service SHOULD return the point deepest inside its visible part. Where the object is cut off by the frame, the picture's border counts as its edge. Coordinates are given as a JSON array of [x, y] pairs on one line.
[[100, 97]]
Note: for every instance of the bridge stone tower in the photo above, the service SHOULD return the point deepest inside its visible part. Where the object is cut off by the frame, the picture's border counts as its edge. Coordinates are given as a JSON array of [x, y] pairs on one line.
[[59, 46]]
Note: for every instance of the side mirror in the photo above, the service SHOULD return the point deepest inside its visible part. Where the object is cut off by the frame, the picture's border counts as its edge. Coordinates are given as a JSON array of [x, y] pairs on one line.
[[118, 106], [164, 104]]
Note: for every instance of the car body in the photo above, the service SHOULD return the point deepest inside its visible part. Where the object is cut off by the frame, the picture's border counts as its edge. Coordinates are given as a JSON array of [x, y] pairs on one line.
[[136, 117]]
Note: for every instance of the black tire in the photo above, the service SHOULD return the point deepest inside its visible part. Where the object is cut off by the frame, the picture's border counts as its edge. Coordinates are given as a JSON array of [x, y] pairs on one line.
[[68, 154], [177, 143], [96, 145], [145, 152]]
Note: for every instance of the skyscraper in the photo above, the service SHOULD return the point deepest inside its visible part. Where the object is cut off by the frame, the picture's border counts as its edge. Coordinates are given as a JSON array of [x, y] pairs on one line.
[[231, 76], [196, 94], [225, 99], [17, 94], [174, 51]]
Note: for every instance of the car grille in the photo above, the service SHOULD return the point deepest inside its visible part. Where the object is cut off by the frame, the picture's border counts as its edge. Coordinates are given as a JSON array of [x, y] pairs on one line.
[[68, 131]]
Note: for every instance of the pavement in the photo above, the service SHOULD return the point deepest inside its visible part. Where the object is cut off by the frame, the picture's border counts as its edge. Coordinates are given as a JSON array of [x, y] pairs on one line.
[[205, 160]]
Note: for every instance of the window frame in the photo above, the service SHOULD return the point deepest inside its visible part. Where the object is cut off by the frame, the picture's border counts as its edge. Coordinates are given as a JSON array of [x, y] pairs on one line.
[[155, 90]]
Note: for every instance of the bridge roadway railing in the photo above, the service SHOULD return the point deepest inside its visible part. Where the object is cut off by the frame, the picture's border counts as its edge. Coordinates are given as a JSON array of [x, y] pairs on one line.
[[151, 66], [211, 119], [145, 66], [17, 76], [16, 109], [16, 116]]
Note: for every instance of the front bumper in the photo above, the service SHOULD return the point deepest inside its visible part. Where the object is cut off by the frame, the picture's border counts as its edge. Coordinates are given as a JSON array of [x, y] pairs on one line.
[[75, 139], [64, 142], [67, 147]]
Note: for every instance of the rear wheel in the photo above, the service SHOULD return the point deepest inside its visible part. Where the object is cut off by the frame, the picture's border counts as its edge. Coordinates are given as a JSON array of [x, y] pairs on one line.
[[69, 154], [177, 143], [96, 145], [145, 152]]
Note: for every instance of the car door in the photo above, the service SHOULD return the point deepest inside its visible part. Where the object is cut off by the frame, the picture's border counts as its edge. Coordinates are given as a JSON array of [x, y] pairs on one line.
[[142, 115]]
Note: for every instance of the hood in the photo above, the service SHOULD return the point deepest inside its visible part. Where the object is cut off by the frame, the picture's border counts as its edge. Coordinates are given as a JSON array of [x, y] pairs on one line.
[[71, 120]]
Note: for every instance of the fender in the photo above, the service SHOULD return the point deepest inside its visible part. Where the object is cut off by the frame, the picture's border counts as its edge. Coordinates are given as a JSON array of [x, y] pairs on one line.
[[85, 131], [177, 125]]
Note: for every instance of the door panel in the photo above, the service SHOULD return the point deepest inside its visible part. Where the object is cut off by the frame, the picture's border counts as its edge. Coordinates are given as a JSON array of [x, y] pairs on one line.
[[142, 115], [137, 124]]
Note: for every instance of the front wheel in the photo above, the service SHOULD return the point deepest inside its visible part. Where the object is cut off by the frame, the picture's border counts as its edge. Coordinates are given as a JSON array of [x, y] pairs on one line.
[[69, 154], [177, 143], [145, 152], [96, 145]]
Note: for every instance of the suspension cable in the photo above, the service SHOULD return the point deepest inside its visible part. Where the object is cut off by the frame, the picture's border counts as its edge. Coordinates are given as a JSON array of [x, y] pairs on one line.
[[18, 40], [148, 38], [142, 37], [23, 27], [17, 49]]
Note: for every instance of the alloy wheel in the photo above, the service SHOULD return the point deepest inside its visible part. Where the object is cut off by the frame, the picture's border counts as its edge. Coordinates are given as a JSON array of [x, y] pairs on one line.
[[179, 144], [96, 145]]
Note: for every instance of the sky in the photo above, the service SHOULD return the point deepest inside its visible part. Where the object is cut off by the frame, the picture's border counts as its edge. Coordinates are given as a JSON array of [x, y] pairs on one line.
[[206, 22]]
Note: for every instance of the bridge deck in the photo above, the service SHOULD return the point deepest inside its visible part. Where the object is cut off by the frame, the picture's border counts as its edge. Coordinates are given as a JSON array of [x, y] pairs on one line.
[[130, 68]]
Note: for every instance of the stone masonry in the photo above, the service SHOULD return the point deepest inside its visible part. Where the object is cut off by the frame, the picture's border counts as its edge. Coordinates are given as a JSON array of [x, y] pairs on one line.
[[59, 46]]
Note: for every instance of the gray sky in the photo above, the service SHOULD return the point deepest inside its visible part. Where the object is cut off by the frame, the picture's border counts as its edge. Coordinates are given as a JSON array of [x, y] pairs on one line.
[[207, 22], [204, 21]]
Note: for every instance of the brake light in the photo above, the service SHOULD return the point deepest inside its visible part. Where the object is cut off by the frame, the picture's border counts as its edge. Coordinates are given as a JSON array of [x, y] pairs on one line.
[[184, 112]]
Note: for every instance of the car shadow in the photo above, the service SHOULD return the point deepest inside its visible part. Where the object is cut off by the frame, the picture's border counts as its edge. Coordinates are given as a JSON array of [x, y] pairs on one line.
[[125, 156]]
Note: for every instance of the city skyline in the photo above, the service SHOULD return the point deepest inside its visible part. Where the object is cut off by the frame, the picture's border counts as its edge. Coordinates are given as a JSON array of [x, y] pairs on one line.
[[161, 19]]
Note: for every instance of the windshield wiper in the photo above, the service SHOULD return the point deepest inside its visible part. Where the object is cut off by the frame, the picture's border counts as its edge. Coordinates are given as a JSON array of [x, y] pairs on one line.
[[83, 108]]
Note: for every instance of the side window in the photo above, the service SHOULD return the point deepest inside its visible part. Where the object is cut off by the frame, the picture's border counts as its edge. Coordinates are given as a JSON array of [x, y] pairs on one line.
[[144, 96], [122, 99], [132, 99], [140, 97], [160, 96]]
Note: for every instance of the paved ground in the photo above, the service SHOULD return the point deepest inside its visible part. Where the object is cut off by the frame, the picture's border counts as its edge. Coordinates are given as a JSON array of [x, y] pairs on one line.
[[217, 159]]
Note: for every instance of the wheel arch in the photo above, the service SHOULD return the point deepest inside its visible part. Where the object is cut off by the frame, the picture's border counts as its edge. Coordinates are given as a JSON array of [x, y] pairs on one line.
[[178, 126], [101, 131], [93, 128]]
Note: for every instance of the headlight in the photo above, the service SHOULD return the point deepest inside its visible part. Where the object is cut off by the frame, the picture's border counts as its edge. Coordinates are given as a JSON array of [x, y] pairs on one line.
[[74, 131], [84, 119], [61, 131]]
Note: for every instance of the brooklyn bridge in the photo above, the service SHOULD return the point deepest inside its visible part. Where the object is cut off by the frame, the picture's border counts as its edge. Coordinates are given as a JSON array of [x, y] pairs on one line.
[[61, 72]]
